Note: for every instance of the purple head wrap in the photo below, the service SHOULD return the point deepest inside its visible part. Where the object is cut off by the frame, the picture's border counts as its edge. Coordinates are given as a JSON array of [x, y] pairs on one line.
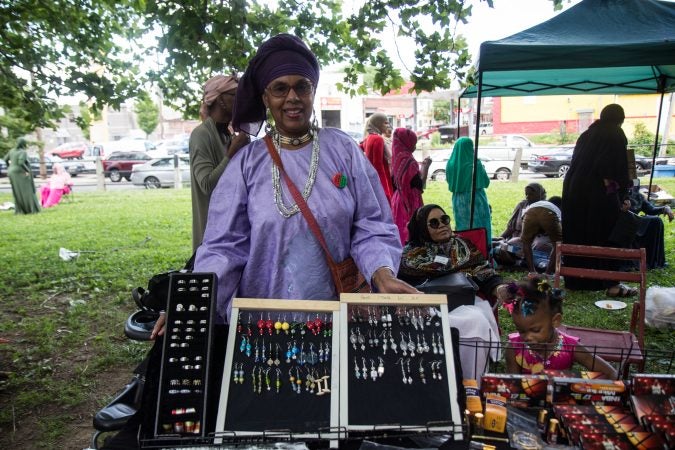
[[281, 55]]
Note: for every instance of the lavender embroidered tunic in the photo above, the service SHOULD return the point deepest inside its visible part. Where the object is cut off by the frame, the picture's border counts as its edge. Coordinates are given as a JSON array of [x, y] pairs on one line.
[[256, 252]]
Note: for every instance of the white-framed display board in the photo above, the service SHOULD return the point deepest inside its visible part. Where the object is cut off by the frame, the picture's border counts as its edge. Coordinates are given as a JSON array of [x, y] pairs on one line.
[[397, 363], [281, 368]]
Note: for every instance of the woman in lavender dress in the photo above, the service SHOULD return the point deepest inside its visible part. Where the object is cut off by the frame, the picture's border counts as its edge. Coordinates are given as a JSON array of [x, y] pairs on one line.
[[256, 240]]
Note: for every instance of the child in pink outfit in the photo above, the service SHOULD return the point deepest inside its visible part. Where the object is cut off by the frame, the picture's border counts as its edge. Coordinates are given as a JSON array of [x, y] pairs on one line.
[[537, 312], [58, 185]]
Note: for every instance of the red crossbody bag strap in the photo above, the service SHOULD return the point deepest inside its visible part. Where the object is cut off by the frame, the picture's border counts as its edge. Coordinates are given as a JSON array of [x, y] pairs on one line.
[[302, 204]]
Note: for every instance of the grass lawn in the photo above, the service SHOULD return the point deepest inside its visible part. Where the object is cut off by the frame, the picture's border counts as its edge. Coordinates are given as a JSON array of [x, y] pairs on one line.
[[67, 353]]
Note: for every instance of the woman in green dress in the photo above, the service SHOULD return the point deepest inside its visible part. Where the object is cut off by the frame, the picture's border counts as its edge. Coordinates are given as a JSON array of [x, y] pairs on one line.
[[21, 178], [459, 172]]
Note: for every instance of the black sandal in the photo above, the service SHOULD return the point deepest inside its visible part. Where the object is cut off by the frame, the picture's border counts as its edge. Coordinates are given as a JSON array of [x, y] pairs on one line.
[[622, 291]]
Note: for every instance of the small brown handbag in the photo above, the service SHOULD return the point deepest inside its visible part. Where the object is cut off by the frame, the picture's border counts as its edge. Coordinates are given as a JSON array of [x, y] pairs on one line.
[[346, 275]]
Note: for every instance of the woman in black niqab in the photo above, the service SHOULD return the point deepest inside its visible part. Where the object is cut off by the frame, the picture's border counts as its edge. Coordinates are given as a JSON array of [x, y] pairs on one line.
[[593, 192]]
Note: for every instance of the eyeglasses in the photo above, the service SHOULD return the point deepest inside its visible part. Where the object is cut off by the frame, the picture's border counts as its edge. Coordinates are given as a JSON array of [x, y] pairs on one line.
[[435, 223], [302, 88]]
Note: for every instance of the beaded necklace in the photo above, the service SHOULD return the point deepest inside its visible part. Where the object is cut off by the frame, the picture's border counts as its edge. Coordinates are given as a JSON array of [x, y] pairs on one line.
[[294, 141], [284, 210]]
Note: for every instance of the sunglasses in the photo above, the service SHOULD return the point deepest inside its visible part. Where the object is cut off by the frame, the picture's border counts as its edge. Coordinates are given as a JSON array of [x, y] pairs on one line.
[[301, 88], [435, 223]]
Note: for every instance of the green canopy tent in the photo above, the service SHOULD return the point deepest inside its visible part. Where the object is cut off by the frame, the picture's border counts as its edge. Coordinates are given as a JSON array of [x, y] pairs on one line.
[[595, 47]]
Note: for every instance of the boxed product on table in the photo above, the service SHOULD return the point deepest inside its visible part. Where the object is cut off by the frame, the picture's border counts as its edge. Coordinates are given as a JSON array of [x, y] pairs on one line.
[[664, 426], [653, 384], [560, 409], [603, 441], [578, 424], [646, 440], [639, 440], [552, 373], [643, 405], [586, 392], [521, 391]]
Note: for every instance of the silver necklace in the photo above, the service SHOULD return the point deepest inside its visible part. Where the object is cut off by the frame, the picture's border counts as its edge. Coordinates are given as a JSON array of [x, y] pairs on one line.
[[284, 210]]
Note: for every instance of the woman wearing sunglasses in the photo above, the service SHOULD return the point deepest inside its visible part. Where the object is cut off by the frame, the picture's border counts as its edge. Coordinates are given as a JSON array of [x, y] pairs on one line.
[[257, 241], [433, 251]]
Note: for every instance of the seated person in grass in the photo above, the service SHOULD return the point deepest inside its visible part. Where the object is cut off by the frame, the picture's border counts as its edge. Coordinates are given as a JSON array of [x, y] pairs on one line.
[[541, 219], [650, 229], [508, 248], [537, 312]]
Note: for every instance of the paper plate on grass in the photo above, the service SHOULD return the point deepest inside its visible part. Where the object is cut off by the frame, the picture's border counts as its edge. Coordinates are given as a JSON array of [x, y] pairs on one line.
[[610, 304]]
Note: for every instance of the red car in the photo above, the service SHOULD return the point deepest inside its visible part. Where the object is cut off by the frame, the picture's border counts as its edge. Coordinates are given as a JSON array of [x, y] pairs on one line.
[[70, 150], [119, 164], [427, 133]]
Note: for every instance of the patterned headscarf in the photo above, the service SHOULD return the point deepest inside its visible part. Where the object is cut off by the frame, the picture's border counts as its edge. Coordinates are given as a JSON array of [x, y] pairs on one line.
[[281, 55]]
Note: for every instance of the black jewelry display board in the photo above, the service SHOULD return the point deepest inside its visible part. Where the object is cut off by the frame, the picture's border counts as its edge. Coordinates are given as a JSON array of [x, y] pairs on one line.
[[396, 362], [281, 368], [183, 381]]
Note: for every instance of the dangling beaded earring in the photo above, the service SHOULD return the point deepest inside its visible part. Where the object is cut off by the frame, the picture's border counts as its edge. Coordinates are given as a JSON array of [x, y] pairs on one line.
[[268, 125]]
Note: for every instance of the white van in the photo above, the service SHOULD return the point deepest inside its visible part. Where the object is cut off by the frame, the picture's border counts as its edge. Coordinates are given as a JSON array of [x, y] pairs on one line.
[[104, 149]]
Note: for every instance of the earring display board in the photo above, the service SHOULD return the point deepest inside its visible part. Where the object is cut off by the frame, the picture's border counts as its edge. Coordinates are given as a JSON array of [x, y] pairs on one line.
[[281, 368], [183, 380], [396, 362]]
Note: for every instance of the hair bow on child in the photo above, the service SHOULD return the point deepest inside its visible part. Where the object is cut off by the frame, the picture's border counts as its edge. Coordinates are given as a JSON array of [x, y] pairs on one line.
[[515, 291]]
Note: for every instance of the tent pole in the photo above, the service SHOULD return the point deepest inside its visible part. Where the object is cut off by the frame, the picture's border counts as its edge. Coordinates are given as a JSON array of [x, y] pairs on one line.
[[662, 82], [475, 150], [459, 116]]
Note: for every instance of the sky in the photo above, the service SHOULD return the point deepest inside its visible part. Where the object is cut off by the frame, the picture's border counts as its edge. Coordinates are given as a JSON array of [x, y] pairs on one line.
[[486, 24]]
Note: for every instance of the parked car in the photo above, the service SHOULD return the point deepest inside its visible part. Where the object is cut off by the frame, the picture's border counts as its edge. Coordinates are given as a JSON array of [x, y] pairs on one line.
[[119, 164], [426, 134], [160, 172], [105, 149], [448, 133], [3, 168], [556, 163], [170, 146], [356, 135], [497, 170], [505, 148], [485, 128], [74, 168], [70, 150]]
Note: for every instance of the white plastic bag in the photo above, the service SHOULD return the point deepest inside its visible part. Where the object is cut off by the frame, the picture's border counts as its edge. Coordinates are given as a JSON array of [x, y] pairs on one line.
[[660, 307]]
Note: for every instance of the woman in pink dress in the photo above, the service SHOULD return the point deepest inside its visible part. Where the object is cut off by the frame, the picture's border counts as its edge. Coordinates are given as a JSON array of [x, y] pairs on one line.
[[409, 179], [58, 185]]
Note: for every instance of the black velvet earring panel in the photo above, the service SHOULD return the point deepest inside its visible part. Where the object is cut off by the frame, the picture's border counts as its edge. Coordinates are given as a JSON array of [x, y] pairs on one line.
[[280, 375], [386, 399], [183, 374]]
